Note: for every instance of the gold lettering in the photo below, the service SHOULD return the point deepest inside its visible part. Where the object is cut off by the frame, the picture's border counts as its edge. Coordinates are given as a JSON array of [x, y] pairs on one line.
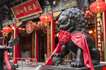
[[30, 8], [25, 9], [22, 11], [35, 5]]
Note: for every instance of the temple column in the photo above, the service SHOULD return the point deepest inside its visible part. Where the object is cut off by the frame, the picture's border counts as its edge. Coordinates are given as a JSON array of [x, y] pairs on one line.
[[104, 28]]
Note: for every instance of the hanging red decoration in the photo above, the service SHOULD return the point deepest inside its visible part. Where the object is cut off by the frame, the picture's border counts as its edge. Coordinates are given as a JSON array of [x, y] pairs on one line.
[[98, 6], [46, 18], [40, 24], [6, 29], [30, 27]]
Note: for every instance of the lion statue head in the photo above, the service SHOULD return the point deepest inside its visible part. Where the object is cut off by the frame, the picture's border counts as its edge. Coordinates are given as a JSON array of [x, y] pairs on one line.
[[72, 19]]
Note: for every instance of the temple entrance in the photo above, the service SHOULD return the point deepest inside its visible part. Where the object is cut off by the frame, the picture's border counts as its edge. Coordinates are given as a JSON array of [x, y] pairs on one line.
[[42, 45], [27, 46]]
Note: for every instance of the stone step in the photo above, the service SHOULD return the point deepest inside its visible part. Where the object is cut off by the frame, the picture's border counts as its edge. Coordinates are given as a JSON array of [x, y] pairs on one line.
[[26, 64], [67, 67]]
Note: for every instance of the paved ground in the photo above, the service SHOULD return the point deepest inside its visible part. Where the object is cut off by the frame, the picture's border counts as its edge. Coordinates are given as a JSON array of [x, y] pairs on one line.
[[24, 66]]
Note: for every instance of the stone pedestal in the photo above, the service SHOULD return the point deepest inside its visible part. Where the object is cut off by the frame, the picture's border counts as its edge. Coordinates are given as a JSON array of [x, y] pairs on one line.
[[66, 67]]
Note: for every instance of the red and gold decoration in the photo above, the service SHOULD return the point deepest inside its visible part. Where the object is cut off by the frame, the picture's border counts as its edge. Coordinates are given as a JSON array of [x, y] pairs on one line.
[[47, 21], [6, 30], [98, 7], [26, 9], [46, 18], [30, 27]]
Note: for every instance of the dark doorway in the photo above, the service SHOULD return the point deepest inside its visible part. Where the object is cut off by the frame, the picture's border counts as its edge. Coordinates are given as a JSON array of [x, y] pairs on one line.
[[42, 45], [26, 45]]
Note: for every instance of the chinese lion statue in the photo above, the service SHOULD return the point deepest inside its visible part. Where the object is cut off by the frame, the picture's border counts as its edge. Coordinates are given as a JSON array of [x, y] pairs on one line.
[[74, 37]]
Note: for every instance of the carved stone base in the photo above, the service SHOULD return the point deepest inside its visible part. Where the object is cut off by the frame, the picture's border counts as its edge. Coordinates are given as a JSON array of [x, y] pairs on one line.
[[66, 67]]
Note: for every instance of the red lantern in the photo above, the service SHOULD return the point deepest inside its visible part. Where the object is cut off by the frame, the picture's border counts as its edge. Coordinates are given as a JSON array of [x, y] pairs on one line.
[[46, 18], [6, 29], [98, 6], [30, 27]]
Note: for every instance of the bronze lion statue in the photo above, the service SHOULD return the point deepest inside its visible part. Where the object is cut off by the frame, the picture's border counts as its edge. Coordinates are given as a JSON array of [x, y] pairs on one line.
[[74, 37]]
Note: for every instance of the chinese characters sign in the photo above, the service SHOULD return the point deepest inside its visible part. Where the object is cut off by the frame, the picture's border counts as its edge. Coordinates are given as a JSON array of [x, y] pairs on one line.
[[28, 8]]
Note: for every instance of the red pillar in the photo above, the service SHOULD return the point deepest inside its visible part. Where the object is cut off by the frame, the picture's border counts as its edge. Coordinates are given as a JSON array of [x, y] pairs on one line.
[[53, 34], [16, 48]]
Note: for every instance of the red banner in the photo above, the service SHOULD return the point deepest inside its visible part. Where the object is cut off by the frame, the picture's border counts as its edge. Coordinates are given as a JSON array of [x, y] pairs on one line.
[[28, 8]]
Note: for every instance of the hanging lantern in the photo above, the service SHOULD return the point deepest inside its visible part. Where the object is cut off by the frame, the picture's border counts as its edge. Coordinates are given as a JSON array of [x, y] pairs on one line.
[[98, 6], [40, 24], [30, 27], [46, 19], [6, 30]]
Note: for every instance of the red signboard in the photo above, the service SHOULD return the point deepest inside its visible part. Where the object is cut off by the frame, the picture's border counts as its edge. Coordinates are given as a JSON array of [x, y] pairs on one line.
[[28, 8]]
